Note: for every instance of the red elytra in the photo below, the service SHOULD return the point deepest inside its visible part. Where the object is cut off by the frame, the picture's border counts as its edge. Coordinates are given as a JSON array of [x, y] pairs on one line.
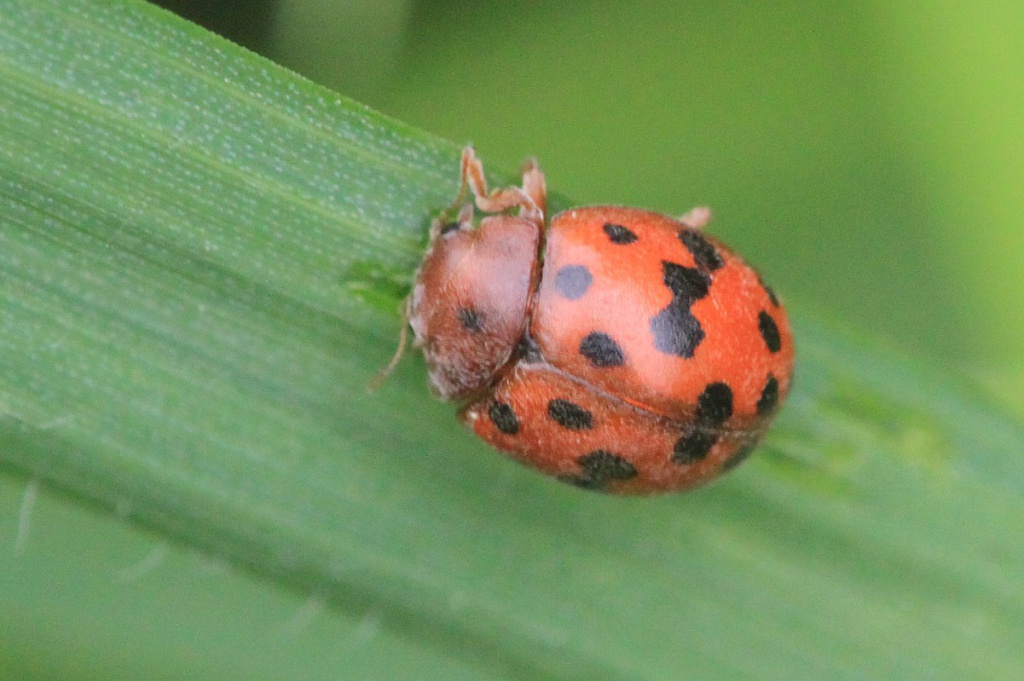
[[616, 349]]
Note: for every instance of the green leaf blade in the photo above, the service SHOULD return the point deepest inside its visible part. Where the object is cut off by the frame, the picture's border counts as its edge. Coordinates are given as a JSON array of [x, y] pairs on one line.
[[201, 259]]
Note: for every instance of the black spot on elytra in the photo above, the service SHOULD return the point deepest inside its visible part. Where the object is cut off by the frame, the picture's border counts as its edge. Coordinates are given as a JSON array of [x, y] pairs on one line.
[[714, 406], [570, 415], [676, 331], [769, 396], [601, 350], [600, 467], [503, 417], [470, 319], [448, 227], [603, 466], [693, 446], [619, 234], [704, 254], [769, 331], [572, 281]]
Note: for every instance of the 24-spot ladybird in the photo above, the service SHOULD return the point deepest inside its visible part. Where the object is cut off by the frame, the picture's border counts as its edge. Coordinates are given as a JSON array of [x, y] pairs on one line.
[[614, 348]]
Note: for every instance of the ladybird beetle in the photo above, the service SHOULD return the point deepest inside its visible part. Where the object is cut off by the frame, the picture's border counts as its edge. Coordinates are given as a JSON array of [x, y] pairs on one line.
[[614, 348]]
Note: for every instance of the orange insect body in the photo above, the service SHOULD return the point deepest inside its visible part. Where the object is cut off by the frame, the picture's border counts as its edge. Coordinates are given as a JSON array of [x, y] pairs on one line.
[[617, 349]]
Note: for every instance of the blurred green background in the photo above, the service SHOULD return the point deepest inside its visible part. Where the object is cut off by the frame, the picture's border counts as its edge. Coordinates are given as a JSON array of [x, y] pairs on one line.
[[868, 158]]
